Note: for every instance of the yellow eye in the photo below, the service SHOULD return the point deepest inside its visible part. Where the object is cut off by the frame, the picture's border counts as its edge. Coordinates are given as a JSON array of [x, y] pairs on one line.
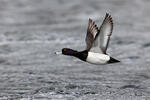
[[65, 49]]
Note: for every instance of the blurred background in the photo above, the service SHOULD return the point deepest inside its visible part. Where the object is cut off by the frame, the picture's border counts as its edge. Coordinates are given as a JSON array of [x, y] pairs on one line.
[[32, 30]]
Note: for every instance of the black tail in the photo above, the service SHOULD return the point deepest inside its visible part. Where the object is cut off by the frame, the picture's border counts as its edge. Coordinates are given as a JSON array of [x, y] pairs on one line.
[[112, 60]]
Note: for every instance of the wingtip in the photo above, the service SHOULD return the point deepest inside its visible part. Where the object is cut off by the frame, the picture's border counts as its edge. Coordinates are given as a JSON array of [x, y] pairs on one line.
[[107, 14], [90, 20], [108, 17], [92, 23]]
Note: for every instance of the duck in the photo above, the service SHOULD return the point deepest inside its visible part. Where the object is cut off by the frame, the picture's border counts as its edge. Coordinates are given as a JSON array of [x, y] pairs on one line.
[[97, 41]]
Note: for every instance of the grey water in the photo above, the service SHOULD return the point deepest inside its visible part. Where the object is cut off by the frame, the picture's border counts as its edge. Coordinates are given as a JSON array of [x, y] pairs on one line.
[[32, 30]]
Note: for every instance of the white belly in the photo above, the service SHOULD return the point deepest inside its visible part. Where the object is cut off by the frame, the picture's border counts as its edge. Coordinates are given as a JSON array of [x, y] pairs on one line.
[[97, 58]]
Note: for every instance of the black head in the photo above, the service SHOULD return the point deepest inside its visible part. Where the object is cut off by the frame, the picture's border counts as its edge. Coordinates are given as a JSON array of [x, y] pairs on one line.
[[81, 55], [67, 51]]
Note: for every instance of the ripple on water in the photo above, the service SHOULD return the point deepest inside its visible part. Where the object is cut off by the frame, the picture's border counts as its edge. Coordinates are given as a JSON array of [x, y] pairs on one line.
[[146, 45], [133, 57], [130, 86]]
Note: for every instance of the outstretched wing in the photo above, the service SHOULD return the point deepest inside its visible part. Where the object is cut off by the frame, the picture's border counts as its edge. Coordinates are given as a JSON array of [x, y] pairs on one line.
[[92, 30], [101, 40]]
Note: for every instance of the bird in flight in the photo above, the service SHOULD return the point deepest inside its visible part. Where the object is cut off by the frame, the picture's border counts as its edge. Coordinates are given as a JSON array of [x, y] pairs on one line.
[[97, 41]]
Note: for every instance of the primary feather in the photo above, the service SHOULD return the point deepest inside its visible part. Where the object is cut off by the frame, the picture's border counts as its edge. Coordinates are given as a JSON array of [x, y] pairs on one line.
[[101, 40], [92, 30]]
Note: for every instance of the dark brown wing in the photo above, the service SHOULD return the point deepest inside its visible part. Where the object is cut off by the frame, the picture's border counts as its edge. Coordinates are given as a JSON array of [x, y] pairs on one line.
[[91, 33]]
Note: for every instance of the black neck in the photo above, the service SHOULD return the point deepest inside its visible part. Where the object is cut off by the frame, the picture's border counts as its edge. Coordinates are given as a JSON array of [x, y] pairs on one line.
[[82, 55]]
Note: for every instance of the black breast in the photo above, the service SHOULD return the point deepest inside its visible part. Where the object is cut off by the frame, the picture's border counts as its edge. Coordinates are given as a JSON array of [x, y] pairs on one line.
[[82, 55]]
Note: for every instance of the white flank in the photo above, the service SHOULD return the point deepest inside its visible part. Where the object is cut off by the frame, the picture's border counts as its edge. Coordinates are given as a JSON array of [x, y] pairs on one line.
[[97, 58]]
